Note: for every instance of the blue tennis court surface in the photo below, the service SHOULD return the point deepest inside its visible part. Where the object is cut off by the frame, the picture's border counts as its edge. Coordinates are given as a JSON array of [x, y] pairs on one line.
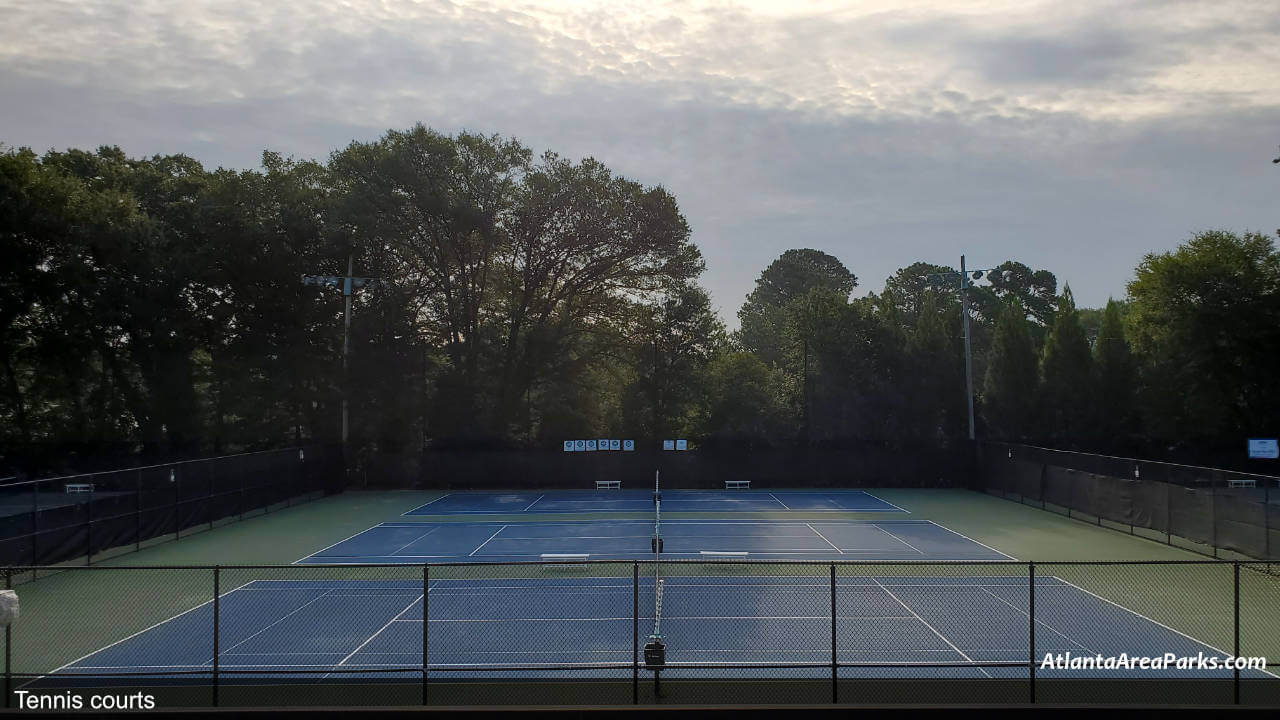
[[422, 542], [582, 501], [474, 624]]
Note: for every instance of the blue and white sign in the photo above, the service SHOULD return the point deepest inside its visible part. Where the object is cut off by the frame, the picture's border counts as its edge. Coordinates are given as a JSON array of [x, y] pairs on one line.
[[580, 445], [1266, 448], [568, 446], [602, 443], [615, 444], [591, 446], [668, 444], [682, 444], [628, 445]]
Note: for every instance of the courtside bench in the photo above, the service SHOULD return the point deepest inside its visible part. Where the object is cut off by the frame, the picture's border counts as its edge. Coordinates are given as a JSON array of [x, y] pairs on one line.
[[79, 487], [737, 484], [608, 484]]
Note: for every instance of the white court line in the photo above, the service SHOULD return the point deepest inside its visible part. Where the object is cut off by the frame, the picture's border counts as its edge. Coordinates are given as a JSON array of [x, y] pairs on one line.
[[486, 542], [775, 499], [535, 502], [926, 624], [824, 537], [152, 627], [414, 510], [371, 527], [629, 618], [886, 502], [1051, 628], [966, 537], [423, 535], [277, 622], [895, 537], [1157, 622], [379, 632]]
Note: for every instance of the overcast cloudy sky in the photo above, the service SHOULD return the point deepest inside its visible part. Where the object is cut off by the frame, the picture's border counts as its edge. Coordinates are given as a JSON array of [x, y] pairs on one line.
[[1072, 136]]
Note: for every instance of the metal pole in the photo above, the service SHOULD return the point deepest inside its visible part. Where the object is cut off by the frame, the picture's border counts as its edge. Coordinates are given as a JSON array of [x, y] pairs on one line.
[[212, 490], [137, 513], [1236, 580], [635, 633], [216, 574], [88, 531], [346, 350], [968, 359], [1031, 616], [8, 647], [426, 580], [834, 666]]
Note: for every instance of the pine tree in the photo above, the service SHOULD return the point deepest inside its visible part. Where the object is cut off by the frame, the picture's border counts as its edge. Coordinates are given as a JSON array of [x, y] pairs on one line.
[[1115, 376], [1009, 396], [1067, 369]]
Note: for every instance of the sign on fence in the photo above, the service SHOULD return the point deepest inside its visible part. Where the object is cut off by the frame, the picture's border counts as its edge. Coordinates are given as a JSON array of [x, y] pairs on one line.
[[1265, 448]]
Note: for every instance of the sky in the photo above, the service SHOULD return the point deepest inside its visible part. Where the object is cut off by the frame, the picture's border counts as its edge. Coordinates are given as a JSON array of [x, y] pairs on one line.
[[1069, 136]]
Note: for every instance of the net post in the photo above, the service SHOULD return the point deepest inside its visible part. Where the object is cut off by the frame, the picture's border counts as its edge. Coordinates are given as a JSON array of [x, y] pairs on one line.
[[1235, 567], [426, 587], [635, 633], [834, 666], [217, 572], [1031, 625]]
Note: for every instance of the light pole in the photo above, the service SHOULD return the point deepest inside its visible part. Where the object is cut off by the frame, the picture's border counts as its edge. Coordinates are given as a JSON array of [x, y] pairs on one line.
[[966, 281], [349, 285]]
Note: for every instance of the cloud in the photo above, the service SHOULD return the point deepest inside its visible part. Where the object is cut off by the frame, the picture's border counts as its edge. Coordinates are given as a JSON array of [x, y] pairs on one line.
[[1070, 136]]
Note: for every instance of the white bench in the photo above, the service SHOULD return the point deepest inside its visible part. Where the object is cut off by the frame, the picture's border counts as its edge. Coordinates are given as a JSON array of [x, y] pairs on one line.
[[79, 487], [1245, 483], [578, 557], [721, 553], [737, 484], [608, 484]]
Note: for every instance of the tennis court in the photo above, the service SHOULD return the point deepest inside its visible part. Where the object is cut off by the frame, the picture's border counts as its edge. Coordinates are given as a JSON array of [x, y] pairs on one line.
[[421, 542], [377, 625], [635, 500]]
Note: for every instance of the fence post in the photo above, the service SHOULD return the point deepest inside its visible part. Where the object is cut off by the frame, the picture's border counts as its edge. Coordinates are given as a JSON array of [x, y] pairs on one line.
[[834, 666], [8, 647], [1236, 581], [212, 490], [88, 530], [137, 513], [177, 515], [1031, 618], [426, 587], [35, 529], [216, 579], [635, 633]]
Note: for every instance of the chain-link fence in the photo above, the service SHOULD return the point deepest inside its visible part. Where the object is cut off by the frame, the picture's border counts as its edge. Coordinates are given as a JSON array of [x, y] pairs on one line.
[[1205, 510], [678, 632], [97, 515]]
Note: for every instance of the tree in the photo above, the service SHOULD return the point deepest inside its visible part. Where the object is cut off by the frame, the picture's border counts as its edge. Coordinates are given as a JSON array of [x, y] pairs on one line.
[[747, 402], [1115, 376], [793, 274], [672, 344], [1204, 321], [1068, 380], [1010, 390]]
